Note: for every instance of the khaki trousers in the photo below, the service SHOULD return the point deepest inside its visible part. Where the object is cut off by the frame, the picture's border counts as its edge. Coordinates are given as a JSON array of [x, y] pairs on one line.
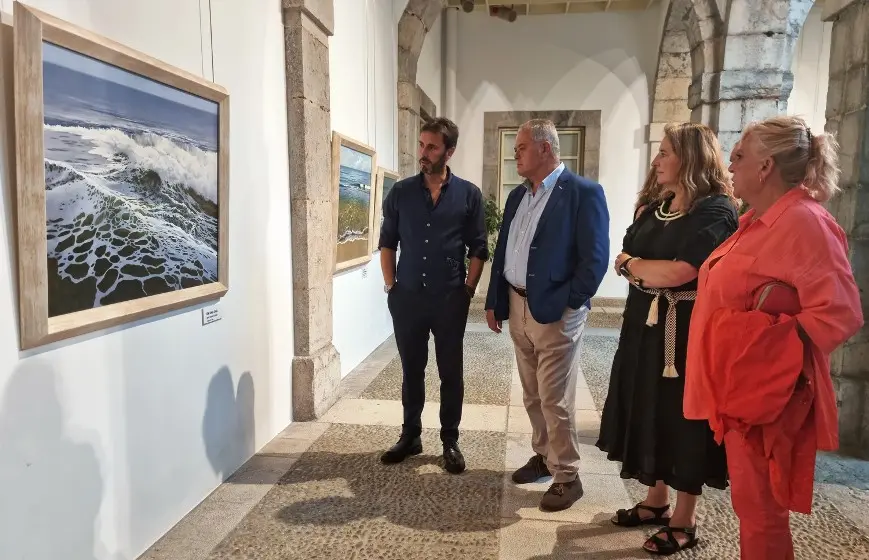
[[545, 355]]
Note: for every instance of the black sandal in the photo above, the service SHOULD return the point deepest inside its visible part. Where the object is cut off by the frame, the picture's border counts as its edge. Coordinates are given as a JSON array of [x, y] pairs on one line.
[[672, 545], [631, 517]]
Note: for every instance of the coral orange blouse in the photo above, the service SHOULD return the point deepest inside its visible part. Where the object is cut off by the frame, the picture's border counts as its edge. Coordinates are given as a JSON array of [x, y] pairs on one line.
[[798, 243]]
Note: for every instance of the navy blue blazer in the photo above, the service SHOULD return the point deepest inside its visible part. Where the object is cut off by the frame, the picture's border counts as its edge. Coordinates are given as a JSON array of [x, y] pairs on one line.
[[569, 253]]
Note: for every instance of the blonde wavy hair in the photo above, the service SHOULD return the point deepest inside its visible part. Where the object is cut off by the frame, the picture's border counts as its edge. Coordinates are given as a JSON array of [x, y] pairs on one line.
[[802, 157], [702, 172]]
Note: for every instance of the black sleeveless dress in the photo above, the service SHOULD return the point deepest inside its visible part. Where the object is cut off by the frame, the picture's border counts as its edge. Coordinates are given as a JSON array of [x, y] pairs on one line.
[[642, 424]]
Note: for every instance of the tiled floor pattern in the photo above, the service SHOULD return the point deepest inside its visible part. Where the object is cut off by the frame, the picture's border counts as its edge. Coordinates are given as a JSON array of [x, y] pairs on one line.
[[318, 490]]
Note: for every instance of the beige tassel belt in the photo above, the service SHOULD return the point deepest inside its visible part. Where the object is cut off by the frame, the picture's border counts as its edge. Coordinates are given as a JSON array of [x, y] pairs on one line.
[[669, 325]]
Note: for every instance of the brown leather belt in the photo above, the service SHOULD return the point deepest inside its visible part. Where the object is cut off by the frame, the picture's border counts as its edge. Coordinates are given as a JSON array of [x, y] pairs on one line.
[[520, 291]]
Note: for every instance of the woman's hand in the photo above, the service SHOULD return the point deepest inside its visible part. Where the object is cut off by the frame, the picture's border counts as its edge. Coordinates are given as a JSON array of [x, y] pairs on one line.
[[621, 258]]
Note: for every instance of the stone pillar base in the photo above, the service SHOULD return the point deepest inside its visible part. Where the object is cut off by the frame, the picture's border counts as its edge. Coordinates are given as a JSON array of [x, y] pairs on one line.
[[852, 396], [315, 383]]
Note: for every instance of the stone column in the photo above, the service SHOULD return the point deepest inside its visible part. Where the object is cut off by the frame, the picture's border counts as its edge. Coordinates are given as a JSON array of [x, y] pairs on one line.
[[316, 365], [418, 18], [673, 77], [704, 26], [847, 101], [756, 79]]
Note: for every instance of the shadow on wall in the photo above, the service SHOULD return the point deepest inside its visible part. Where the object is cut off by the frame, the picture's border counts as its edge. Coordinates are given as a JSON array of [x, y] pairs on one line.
[[228, 427], [51, 485]]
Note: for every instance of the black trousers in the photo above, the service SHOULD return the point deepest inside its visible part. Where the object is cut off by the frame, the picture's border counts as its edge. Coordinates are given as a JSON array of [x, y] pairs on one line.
[[415, 314]]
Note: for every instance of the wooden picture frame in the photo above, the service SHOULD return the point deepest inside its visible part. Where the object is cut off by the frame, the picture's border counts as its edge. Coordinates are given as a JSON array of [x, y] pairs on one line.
[[352, 222], [383, 175], [109, 230]]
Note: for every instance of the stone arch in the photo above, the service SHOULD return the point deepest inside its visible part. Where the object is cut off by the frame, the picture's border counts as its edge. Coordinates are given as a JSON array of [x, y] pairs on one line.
[[673, 76], [418, 18], [690, 60], [705, 29]]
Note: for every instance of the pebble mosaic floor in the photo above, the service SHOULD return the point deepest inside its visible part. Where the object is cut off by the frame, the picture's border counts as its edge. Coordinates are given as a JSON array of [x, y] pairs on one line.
[[318, 490]]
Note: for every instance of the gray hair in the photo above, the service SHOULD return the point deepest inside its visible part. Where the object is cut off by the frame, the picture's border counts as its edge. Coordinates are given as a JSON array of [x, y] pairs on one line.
[[543, 130]]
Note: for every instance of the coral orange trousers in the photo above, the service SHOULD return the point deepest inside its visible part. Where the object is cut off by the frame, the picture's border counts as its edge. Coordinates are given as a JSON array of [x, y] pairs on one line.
[[764, 528]]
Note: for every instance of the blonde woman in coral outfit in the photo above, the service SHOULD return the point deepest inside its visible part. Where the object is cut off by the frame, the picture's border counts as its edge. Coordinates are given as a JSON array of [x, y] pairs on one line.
[[759, 372]]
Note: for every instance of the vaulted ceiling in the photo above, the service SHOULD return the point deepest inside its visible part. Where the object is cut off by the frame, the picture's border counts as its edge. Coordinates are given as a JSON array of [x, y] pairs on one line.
[[549, 7]]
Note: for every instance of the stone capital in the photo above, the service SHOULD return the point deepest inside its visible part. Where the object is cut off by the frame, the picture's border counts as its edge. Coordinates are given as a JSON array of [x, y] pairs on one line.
[[832, 8], [319, 12]]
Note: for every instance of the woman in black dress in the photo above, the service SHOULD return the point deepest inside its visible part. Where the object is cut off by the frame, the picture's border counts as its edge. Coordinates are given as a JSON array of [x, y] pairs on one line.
[[642, 424]]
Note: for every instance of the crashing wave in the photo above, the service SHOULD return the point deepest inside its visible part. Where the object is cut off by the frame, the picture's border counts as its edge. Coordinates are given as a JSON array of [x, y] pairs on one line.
[[149, 214]]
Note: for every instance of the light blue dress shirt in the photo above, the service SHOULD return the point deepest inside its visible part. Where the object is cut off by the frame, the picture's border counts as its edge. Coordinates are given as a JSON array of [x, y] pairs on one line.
[[523, 227]]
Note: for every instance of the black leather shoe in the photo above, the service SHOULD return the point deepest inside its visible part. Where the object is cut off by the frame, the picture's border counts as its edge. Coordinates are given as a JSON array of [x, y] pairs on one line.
[[406, 447], [561, 495], [454, 461], [532, 471]]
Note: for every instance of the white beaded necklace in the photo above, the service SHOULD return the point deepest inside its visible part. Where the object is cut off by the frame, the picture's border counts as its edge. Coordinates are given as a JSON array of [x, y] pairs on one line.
[[666, 215]]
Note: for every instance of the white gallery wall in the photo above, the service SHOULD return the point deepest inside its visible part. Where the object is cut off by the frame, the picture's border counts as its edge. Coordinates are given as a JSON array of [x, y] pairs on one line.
[[115, 436], [811, 68], [603, 61], [363, 66]]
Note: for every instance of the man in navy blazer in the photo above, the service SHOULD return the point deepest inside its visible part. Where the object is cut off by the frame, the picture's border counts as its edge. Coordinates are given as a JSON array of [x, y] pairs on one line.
[[552, 254]]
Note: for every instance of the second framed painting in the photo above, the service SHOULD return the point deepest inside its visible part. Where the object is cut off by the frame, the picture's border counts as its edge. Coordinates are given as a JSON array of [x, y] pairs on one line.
[[353, 167], [386, 179]]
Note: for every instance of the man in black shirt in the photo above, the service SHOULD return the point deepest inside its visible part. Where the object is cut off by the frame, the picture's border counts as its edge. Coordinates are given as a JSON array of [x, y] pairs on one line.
[[437, 218]]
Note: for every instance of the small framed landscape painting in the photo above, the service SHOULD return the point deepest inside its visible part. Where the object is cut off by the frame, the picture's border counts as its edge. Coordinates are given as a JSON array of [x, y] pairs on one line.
[[353, 173], [386, 179], [122, 182]]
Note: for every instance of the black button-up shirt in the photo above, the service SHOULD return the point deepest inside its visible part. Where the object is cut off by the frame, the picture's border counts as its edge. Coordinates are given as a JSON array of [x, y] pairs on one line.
[[434, 236]]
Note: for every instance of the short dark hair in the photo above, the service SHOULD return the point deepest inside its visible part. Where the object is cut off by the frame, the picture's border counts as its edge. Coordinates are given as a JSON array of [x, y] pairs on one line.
[[446, 128]]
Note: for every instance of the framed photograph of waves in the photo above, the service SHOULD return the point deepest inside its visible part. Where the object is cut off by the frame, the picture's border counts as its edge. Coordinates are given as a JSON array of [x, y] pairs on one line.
[[354, 168], [122, 166]]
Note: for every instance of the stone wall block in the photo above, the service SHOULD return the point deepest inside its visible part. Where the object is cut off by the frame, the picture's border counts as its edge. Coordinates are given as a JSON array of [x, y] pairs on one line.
[[426, 10], [675, 42], [407, 65], [842, 207], [310, 142], [851, 400], [408, 96], [835, 96], [728, 140], [707, 56], [411, 34], [776, 16], [751, 84], [667, 89], [855, 359], [730, 115], [407, 164], [669, 110], [320, 12], [850, 136], [315, 383], [705, 9], [756, 52], [858, 45], [313, 318], [856, 88], [314, 246], [310, 81], [840, 45], [674, 65]]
